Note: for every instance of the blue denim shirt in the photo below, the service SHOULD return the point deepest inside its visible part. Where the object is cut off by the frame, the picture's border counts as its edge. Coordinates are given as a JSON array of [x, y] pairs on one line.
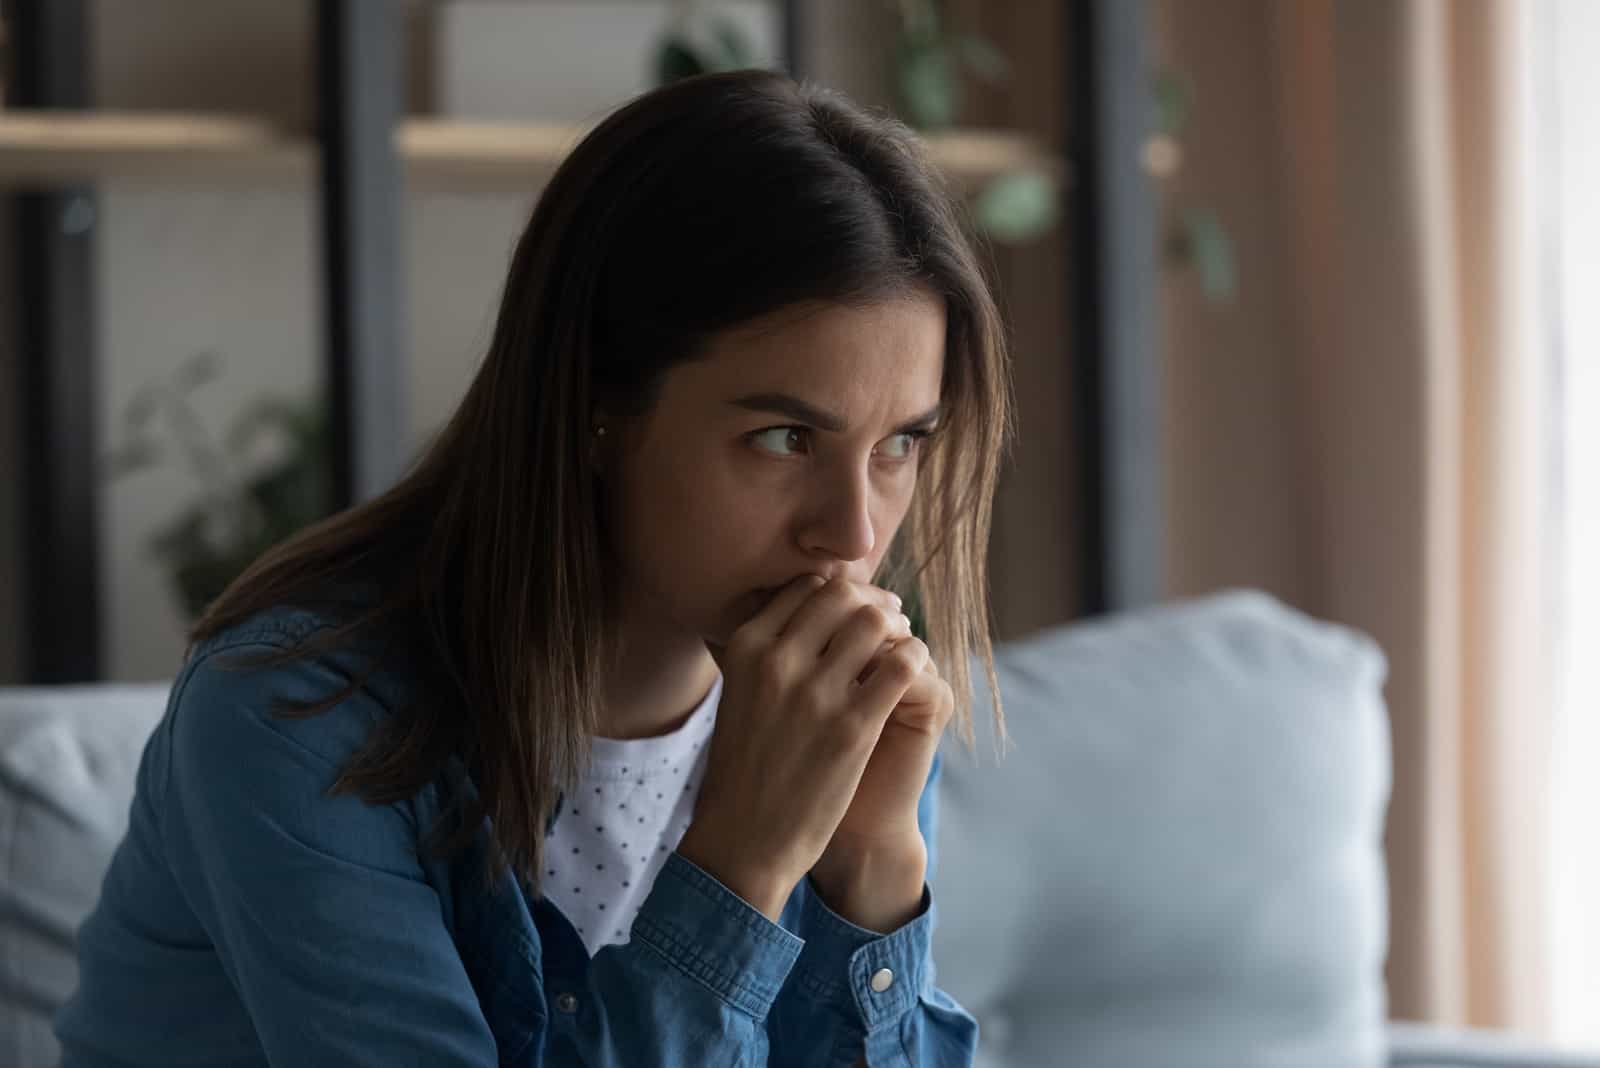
[[248, 918]]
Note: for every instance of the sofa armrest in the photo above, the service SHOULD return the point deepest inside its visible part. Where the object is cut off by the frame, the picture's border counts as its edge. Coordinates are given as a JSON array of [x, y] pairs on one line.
[[1422, 1046]]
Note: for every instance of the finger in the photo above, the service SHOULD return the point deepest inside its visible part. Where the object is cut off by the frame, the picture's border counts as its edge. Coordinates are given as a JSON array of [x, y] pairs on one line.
[[928, 702], [892, 675], [866, 634], [816, 621], [765, 626], [887, 644]]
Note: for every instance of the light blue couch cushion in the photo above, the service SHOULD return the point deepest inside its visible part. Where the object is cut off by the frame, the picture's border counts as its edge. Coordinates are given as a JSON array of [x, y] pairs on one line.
[[1180, 863], [68, 755]]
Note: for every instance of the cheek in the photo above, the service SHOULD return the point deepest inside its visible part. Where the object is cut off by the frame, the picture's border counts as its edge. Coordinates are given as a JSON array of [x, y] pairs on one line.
[[891, 512], [694, 532]]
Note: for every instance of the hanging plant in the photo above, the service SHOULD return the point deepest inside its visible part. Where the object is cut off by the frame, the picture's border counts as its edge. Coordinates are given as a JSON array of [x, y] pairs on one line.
[[1195, 237], [932, 67]]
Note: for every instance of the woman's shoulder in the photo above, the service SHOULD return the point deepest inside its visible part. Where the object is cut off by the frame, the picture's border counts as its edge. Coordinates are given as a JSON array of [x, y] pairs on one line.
[[261, 728], [287, 671]]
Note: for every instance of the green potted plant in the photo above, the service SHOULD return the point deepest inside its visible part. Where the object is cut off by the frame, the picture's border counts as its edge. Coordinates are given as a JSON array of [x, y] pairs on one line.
[[267, 478]]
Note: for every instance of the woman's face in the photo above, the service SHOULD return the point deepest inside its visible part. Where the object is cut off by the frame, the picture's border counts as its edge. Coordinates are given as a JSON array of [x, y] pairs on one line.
[[789, 449]]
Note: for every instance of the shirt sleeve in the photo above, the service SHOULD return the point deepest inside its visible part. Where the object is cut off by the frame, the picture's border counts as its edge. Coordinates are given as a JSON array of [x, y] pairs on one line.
[[706, 979], [317, 906], [693, 984], [832, 1011]]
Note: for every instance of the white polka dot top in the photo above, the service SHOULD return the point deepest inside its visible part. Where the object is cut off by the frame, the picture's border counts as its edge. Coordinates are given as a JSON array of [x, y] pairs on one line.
[[614, 832]]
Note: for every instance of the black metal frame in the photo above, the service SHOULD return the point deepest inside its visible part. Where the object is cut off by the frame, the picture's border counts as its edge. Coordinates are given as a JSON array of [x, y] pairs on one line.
[[794, 39], [1116, 380], [56, 368], [360, 57]]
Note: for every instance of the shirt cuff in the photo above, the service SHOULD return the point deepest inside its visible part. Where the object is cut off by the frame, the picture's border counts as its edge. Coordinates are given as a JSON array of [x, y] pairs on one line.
[[840, 961], [715, 936]]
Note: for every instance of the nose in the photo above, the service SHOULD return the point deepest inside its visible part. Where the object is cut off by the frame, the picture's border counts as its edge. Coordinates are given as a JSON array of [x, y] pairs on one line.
[[839, 526]]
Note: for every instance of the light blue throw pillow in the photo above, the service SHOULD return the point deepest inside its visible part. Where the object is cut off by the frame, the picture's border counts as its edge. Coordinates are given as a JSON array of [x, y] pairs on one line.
[[1180, 863]]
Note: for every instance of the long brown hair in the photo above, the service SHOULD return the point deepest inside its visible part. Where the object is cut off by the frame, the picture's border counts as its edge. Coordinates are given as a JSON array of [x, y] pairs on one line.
[[691, 209]]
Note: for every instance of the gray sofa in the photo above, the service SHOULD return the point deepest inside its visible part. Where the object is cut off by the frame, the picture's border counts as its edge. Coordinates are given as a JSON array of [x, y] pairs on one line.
[[1177, 865]]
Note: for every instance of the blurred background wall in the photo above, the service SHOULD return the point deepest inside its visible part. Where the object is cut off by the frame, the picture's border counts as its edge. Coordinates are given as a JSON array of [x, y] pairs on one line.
[[1233, 496]]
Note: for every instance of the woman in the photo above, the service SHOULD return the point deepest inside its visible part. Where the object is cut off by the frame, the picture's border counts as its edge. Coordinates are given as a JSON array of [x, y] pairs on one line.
[[593, 741]]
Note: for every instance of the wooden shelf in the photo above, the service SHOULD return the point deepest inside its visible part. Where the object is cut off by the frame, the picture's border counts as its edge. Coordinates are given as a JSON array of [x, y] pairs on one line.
[[60, 147], [39, 147]]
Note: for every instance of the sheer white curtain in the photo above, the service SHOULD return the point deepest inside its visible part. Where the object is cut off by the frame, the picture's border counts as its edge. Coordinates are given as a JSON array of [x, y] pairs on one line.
[[1568, 37]]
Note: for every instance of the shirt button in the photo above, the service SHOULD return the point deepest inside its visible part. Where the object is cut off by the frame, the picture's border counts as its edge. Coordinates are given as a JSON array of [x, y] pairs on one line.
[[882, 979], [567, 1003]]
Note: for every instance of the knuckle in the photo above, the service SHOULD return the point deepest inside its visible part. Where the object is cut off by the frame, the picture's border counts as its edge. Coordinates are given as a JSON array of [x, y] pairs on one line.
[[870, 617], [838, 591], [769, 667], [741, 643], [901, 667], [810, 698], [849, 593]]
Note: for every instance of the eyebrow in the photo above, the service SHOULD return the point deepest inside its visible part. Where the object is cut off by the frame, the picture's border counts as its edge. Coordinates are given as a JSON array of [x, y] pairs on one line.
[[794, 408]]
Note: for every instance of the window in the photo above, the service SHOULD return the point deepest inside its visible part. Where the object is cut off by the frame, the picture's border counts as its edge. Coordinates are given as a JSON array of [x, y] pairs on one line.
[[1569, 184]]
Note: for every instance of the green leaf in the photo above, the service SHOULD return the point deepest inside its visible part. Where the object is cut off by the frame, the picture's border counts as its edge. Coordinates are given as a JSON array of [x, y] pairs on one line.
[[197, 370], [1211, 251], [291, 495], [1017, 206], [140, 407], [294, 419], [1173, 102], [677, 59], [736, 51], [928, 87], [919, 21], [986, 61], [134, 456]]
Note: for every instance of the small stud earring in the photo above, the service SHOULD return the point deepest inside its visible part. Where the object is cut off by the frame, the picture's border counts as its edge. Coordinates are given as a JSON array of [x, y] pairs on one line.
[[600, 431]]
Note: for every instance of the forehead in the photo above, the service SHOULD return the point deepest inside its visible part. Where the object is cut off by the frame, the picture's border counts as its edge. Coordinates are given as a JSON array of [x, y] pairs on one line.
[[849, 357]]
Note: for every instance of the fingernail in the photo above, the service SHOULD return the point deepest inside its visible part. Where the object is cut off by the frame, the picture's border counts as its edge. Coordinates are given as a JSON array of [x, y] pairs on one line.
[[897, 602], [905, 622]]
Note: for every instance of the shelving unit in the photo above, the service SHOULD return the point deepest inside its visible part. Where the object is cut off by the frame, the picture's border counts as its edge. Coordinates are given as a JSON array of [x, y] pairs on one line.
[[71, 147], [55, 148]]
